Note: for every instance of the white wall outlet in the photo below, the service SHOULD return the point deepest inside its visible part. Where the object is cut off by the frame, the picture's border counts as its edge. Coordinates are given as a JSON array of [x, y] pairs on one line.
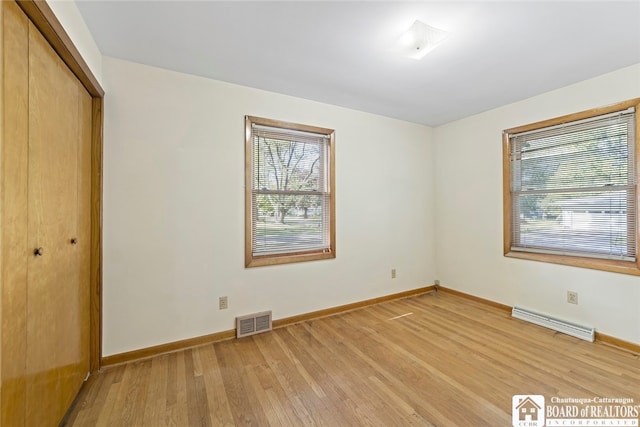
[[436, 282], [393, 273], [223, 303], [572, 297]]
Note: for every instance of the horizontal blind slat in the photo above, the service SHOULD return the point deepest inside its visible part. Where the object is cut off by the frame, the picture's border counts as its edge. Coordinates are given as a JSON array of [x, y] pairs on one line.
[[290, 191], [573, 188]]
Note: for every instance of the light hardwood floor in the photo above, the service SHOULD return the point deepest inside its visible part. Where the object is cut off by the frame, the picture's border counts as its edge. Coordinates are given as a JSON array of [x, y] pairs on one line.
[[433, 359]]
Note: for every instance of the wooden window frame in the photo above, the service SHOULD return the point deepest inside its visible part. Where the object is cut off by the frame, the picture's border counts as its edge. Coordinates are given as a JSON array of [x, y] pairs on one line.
[[625, 267], [252, 260]]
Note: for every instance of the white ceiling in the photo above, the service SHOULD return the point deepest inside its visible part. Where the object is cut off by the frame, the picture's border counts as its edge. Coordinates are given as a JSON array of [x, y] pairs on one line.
[[342, 53]]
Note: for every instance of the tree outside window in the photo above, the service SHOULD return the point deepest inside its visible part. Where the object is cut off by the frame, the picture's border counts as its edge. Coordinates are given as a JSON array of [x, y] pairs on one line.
[[290, 203]]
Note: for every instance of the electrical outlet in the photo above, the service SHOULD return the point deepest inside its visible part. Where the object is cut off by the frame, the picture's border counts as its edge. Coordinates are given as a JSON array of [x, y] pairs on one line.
[[436, 282], [393, 273], [572, 297], [223, 303]]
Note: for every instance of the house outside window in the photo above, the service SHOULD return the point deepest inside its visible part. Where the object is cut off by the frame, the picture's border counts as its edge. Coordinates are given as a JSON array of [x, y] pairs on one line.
[[289, 192], [570, 189]]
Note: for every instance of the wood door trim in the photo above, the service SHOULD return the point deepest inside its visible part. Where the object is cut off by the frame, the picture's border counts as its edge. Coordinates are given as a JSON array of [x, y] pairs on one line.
[[47, 23], [95, 292]]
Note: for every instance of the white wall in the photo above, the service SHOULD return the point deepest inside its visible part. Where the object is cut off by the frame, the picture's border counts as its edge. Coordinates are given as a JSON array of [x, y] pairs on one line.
[[69, 16], [469, 257], [173, 217], [174, 208]]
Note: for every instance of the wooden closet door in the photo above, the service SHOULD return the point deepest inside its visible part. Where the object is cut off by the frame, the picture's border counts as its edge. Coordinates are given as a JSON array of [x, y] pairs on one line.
[[57, 326], [14, 194]]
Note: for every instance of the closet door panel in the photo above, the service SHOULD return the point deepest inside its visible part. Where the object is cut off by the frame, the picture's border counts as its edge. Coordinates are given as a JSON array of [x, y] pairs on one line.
[[85, 108], [54, 293], [14, 193], [45, 196]]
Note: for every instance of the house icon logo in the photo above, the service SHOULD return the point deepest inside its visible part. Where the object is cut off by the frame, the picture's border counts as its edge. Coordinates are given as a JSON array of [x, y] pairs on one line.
[[528, 410]]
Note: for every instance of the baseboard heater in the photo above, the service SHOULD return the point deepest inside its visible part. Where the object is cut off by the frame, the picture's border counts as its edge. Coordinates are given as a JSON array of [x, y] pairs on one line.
[[582, 332], [252, 324]]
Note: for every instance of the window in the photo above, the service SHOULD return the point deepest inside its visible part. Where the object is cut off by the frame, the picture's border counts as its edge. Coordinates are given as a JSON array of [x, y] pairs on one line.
[[289, 192], [570, 189]]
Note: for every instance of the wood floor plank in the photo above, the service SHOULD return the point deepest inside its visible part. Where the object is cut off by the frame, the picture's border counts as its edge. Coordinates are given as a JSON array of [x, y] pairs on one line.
[[219, 409], [526, 348], [386, 358], [106, 414], [176, 399], [154, 411], [197, 404], [429, 360], [244, 403], [346, 360], [132, 394], [297, 339], [300, 368], [290, 381], [270, 391]]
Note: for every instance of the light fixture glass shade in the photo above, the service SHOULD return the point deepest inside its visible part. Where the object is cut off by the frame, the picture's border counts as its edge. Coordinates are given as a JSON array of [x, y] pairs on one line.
[[421, 39]]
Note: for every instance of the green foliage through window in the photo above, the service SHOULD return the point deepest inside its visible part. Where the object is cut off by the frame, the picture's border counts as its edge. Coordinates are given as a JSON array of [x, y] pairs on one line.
[[291, 203], [573, 188]]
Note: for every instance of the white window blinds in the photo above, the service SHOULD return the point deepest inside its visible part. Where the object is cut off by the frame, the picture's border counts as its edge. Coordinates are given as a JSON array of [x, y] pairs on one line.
[[573, 188], [290, 191]]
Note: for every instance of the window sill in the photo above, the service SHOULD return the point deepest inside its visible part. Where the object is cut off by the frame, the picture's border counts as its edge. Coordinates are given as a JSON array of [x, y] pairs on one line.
[[623, 267], [259, 261]]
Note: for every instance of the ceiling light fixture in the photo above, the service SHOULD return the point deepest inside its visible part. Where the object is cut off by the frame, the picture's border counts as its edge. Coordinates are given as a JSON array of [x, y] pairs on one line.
[[421, 39]]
